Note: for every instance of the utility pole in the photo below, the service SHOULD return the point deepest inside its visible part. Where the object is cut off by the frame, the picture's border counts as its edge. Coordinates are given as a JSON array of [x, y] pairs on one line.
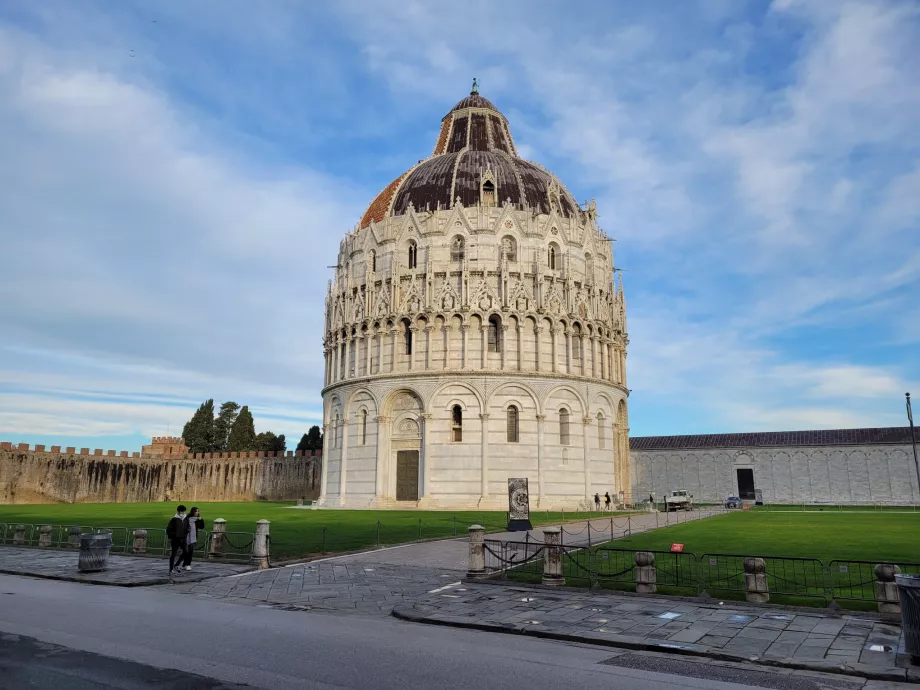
[[913, 439]]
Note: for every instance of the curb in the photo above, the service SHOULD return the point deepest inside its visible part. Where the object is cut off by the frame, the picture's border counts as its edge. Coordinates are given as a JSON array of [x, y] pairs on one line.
[[624, 642], [150, 582]]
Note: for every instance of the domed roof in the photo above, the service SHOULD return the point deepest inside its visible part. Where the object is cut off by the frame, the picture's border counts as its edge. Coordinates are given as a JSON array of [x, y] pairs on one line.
[[474, 145]]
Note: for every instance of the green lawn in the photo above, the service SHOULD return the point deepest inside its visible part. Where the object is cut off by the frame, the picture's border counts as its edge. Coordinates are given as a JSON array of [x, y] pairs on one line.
[[294, 533]]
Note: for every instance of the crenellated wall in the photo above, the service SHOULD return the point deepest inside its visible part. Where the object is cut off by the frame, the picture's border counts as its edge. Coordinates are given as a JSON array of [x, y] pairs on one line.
[[56, 475]]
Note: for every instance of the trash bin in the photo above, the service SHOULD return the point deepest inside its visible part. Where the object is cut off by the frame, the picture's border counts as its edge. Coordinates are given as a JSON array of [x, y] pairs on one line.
[[94, 552], [909, 593]]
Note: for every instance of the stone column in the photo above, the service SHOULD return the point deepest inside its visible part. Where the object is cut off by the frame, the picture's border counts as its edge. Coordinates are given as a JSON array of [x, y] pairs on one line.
[[542, 488], [552, 556], [428, 332], [218, 539], [537, 336], [335, 360], [44, 536], [593, 356], [325, 475], [477, 562], [446, 329], [343, 463], [260, 545], [346, 370], [426, 458], [555, 350], [139, 545], [886, 591], [755, 581], [392, 350], [378, 336], [520, 347], [484, 331], [383, 452], [585, 421], [464, 346], [583, 352], [646, 574], [484, 471], [368, 338], [503, 345]]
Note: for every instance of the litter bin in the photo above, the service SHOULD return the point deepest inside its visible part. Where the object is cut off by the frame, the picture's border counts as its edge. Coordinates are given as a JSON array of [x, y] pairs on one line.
[[94, 552], [909, 593]]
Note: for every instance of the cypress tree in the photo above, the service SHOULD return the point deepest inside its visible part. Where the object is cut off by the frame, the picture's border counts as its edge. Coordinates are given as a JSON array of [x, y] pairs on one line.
[[198, 432], [223, 424], [243, 432]]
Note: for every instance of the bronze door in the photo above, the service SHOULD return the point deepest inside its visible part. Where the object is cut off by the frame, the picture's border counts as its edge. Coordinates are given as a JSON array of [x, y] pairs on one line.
[[407, 475]]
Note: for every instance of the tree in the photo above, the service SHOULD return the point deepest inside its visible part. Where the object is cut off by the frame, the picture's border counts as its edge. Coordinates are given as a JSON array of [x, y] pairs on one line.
[[268, 441], [198, 432], [312, 440], [243, 432], [223, 424]]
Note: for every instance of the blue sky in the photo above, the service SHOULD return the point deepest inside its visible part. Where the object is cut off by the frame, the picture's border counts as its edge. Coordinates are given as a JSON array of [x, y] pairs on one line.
[[175, 178]]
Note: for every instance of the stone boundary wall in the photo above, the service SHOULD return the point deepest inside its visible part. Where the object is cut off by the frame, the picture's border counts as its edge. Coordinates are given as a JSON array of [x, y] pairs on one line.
[[56, 475], [832, 473]]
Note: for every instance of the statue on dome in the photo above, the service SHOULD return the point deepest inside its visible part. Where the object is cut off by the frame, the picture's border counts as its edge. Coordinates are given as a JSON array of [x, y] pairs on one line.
[[475, 86]]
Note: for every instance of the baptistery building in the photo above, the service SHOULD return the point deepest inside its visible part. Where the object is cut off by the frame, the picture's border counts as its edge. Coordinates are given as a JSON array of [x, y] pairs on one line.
[[475, 333]]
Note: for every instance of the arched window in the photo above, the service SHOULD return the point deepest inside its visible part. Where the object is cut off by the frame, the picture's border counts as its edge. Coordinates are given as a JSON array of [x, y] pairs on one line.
[[509, 247], [576, 343], [495, 342], [601, 439], [563, 427], [488, 193], [552, 257], [413, 255], [363, 427], [456, 424], [457, 247], [513, 436], [408, 333]]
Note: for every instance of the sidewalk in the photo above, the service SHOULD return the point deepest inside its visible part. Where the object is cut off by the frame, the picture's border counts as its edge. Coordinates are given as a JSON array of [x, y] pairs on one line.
[[123, 571], [864, 646]]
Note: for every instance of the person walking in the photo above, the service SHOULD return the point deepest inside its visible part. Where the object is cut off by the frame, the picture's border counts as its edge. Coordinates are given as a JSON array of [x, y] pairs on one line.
[[195, 524], [176, 532], [606, 500], [597, 501]]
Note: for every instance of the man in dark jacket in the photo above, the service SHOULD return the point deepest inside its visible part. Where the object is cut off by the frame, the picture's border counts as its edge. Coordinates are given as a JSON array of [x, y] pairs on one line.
[[177, 532]]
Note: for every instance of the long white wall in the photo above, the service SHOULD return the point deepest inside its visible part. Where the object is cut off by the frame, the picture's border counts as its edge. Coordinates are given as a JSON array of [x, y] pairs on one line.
[[785, 474]]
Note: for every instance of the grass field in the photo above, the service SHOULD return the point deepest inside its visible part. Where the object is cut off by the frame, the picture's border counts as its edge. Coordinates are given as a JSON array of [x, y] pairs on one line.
[[294, 532], [810, 557]]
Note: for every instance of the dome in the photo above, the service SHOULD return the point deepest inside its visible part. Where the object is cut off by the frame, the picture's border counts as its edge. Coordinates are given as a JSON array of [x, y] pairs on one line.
[[474, 138]]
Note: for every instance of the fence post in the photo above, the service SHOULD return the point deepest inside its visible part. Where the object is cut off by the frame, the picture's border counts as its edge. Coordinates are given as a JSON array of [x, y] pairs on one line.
[[218, 538], [552, 561], [73, 538], [886, 591], [455, 525], [44, 536], [19, 534], [755, 581], [324, 540], [628, 525], [419, 529], [378, 533], [477, 562], [646, 574], [140, 541], [260, 544]]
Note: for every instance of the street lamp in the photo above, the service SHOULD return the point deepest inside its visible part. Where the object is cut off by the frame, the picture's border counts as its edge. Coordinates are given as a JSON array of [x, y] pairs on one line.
[[913, 439]]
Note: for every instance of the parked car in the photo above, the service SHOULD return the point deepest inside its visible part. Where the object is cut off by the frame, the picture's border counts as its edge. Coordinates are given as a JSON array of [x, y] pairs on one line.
[[732, 502]]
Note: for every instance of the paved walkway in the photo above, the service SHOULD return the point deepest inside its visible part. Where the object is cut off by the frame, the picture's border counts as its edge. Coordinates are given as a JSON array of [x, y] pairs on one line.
[[123, 571], [815, 640]]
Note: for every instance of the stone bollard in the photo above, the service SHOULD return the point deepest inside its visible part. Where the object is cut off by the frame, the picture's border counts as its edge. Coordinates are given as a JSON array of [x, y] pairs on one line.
[[44, 536], [19, 534], [755, 581], [552, 560], [260, 545], [886, 590], [140, 541], [646, 573], [73, 538], [299, 502], [477, 564], [218, 539]]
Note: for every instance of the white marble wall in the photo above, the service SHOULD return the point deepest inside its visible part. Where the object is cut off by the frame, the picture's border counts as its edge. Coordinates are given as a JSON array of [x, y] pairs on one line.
[[881, 473]]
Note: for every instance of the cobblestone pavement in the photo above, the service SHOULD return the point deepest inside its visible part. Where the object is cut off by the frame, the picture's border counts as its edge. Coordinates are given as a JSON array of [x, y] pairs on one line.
[[821, 641], [124, 571]]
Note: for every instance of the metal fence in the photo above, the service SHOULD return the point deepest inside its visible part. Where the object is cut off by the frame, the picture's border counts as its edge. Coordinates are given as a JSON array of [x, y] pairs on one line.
[[601, 530], [235, 546], [806, 581]]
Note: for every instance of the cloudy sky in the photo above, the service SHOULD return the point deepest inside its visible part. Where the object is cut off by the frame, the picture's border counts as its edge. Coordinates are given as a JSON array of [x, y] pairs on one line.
[[175, 178]]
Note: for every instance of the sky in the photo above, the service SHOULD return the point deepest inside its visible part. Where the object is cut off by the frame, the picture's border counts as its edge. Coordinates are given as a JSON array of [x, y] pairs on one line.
[[175, 178]]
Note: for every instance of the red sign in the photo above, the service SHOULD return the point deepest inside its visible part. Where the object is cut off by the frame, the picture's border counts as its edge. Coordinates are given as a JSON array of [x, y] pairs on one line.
[[677, 547]]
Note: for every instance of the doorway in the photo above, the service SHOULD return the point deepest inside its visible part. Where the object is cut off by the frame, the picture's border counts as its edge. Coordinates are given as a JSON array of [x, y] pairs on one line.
[[407, 475], [745, 484]]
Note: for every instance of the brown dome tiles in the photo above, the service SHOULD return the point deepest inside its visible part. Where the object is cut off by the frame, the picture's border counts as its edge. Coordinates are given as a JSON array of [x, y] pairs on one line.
[[442, 137], [427, 185], [499, 140], [469, 177], [474, 100], [377, 211], [458, 136]]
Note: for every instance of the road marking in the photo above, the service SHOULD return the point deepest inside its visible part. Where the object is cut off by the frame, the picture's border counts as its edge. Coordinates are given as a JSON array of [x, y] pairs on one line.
[[441, 589]]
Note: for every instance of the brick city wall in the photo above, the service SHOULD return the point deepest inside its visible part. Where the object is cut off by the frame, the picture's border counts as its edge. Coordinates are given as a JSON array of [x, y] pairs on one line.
[[63, 475]]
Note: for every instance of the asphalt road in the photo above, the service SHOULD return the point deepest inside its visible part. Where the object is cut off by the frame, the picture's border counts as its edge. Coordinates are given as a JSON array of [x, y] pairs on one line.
[[67, 635]]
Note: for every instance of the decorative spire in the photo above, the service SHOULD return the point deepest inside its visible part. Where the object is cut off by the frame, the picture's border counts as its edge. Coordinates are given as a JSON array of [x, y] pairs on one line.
[[475, 87]]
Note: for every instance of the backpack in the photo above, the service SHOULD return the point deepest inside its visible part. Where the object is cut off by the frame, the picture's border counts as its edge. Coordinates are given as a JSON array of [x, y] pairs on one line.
[[171, 528]]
